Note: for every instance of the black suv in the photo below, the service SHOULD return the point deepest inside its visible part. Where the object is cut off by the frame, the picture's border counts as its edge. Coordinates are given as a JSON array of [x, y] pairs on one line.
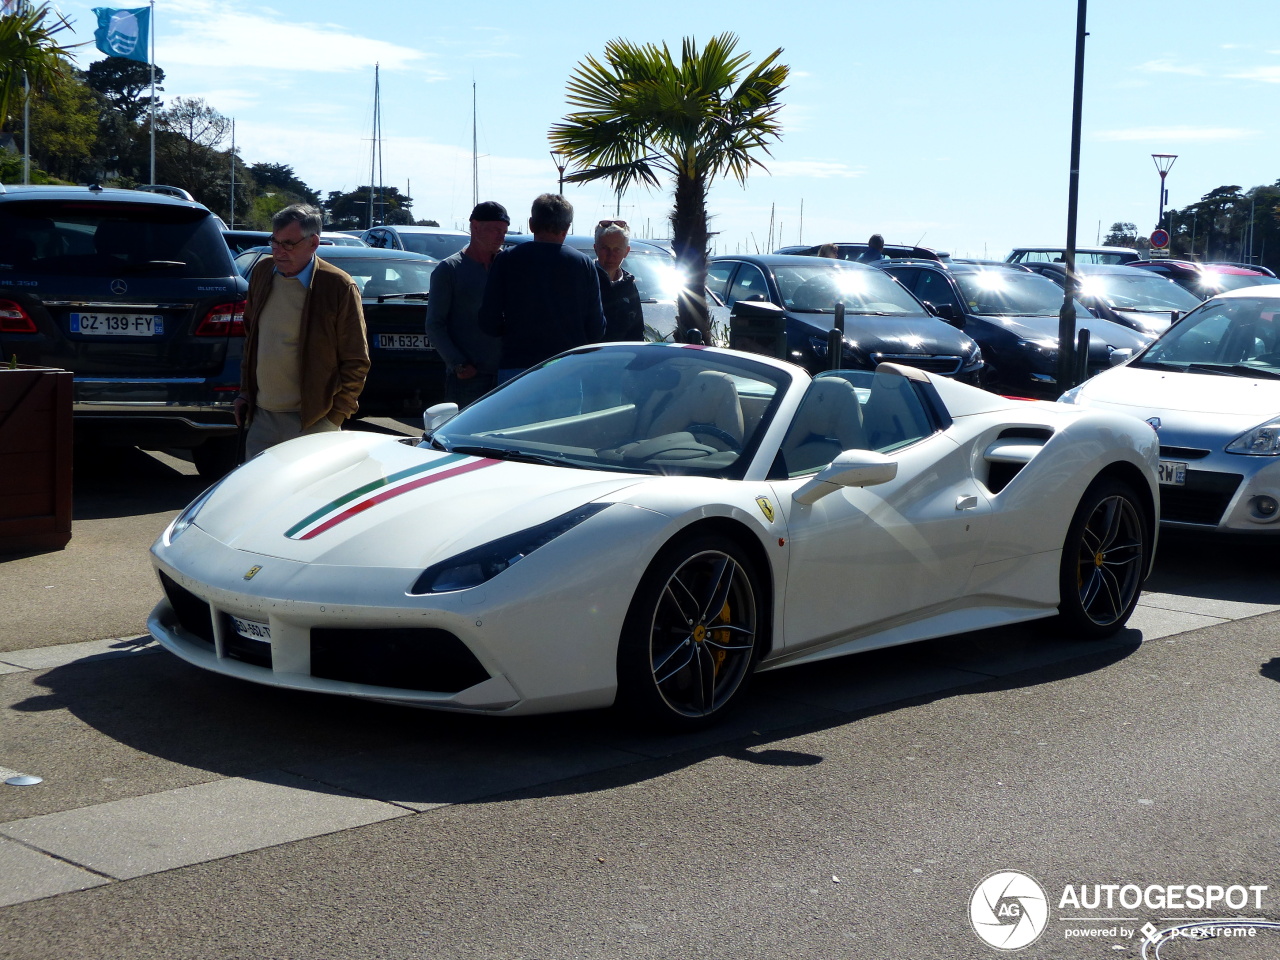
[[136, 294]]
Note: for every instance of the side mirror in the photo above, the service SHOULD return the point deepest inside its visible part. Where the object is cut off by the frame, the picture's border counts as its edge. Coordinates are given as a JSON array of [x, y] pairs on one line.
[[436, 416], [949, 313], [853, 468], [1120, 356]]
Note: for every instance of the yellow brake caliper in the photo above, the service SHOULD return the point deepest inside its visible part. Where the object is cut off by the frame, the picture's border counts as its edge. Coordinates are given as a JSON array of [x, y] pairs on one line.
[[722, 637]]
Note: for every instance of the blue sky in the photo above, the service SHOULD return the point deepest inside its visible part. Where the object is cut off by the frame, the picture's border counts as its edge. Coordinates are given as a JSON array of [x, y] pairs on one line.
[[946, 123]]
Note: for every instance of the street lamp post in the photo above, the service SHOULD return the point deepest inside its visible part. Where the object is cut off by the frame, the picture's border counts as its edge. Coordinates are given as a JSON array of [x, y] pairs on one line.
[[558, 159], [1163, 161], [1067, 315]]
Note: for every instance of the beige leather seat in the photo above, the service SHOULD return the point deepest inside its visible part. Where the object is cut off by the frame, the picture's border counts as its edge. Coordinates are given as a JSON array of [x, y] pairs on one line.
[[710, 402], [829, 421]]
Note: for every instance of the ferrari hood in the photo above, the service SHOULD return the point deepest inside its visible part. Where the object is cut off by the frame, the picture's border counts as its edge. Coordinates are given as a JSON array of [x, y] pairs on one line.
[[364, 499]]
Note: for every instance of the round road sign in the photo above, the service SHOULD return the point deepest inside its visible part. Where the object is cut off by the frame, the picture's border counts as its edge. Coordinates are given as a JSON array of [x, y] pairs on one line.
[[1159, 239]]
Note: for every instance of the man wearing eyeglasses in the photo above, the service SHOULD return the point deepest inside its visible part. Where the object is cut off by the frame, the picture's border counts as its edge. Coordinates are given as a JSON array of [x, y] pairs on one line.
[[623, 315], [305, 350]]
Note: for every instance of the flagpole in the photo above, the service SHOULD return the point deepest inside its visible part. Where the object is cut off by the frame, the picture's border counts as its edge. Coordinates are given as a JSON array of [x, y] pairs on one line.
[[152, 30]]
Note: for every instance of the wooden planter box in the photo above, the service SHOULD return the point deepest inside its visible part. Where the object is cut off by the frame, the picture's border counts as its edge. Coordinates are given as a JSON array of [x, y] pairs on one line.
[[35, 459]]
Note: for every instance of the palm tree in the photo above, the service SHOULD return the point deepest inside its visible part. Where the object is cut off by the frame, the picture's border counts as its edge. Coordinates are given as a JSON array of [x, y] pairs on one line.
[[28, 50], [641, 113]]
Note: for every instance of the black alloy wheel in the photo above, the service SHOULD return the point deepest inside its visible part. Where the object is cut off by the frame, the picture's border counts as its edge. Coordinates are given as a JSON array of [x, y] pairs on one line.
[[1104, 560], [691, 636]]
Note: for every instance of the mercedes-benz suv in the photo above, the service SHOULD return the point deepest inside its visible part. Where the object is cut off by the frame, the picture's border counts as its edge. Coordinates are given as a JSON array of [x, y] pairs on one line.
[[135, 293]]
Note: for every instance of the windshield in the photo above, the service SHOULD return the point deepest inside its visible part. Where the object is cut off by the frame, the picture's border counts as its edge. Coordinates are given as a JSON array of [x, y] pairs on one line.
[[1012, 293], [817, 288], [657, 277], [96, 239], [1213, 282], [1138, 291], [652, 408], [1230, 336], [438, 245], [383, 276]]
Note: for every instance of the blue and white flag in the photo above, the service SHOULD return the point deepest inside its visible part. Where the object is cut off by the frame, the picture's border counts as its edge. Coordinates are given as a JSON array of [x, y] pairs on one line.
[[123, 33]]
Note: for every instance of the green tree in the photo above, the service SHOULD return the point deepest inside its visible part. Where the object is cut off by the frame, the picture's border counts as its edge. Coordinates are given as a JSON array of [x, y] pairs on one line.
[[641, 113], [187, 140], [124, 139], [28, 49], [1121, 235], [121, 83], [280, 178], [64, 129], [350, 211]]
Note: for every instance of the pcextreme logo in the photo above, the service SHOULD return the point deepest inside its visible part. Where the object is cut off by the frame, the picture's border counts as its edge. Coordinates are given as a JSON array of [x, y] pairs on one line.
[[1008, 910]]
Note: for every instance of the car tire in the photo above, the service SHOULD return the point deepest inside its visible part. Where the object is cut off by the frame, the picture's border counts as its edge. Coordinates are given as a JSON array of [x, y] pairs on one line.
[[1104, 561], [216, 457], [691, 636]]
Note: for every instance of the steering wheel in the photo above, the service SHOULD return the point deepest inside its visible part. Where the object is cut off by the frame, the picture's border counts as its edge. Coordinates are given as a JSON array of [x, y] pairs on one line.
[[711, 430]]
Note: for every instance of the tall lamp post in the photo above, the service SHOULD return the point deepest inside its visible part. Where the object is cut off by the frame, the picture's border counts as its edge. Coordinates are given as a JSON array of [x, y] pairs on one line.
[[1067, 315], [558, 159], [1163, 161]]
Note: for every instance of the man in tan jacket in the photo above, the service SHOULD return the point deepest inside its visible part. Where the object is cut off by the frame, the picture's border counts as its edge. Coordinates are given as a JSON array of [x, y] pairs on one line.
[[305, 352]]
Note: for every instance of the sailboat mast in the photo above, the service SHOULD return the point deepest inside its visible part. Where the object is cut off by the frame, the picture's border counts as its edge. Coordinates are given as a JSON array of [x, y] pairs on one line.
[[373, 147], [475, 159]]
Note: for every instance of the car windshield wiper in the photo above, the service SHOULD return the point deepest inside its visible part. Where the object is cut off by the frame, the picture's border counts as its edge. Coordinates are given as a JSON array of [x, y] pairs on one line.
[[519, 456], [1158, 365], [1234, 370], [402, 296]]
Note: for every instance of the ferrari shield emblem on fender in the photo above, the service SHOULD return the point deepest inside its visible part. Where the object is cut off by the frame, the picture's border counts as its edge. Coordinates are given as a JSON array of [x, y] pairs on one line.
[[252, 572], [765, 507]]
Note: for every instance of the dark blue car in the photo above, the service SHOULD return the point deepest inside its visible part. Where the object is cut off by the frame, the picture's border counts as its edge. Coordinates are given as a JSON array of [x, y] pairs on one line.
[[883, 321]]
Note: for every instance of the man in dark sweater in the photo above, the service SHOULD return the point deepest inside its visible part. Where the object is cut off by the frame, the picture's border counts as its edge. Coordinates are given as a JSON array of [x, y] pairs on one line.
[[623, 315], [542, 297], [457, 288]]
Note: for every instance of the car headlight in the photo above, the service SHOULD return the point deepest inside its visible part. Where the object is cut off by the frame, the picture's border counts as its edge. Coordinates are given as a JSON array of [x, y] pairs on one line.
[[188, 516], [481, 564], [1043, 345], [974, 359], [1262, 441]]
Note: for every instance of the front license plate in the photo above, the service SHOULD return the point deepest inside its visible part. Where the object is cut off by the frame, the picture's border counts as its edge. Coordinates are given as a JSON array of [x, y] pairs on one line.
[[252, 629], [118, 324], [1173, 473], [403, 341]]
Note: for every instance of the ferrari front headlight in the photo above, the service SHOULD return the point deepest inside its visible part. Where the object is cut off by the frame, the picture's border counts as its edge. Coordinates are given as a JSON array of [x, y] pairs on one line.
[[481, 564], [1262, 441], [188, 516]]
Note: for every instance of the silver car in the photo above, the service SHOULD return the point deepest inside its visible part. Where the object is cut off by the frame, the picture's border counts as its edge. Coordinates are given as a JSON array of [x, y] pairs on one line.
[[1210, 386]]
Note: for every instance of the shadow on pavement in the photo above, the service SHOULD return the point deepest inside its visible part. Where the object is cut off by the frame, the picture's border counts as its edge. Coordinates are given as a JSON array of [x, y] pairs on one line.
[[110, 481], [189, 718]]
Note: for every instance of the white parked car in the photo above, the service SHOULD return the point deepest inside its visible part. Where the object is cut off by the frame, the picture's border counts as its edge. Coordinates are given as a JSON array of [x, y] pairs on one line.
[[648, 524], [1210, 385]]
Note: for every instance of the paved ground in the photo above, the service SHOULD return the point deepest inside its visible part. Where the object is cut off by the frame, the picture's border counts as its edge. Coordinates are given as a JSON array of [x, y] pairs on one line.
[[849, 812]]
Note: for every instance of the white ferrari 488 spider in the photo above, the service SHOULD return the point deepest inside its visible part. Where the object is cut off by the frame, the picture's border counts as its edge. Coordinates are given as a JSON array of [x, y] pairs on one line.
[[648, 525]]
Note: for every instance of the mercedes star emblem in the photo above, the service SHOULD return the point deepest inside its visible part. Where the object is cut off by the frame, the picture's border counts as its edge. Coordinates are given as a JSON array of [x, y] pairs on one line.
[[119, 286]]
